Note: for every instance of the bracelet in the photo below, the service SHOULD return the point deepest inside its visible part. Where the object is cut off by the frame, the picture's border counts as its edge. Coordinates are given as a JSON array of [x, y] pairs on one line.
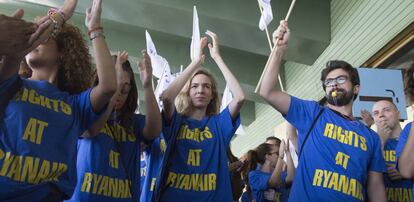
[[94, 29], [55, 12], [56, 26], [95, 35]]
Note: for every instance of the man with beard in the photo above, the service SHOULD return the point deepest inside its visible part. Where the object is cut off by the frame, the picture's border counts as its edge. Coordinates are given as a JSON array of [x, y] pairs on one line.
[[386, 117], [340, 158]]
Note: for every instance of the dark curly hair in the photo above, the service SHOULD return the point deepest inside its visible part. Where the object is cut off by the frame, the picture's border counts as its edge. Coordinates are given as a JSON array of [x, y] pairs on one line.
[[409, 83], [75, 68]]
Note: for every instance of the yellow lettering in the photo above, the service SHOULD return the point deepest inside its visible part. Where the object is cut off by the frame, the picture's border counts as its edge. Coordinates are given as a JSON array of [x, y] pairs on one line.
[[194, 157], [317, 178], [103, 189], [66, 109], [6, 163], [34, 131], [328, 130], [33, 97], [86, 184], [43, 172], [341, 159], [96, 179], [171, 179], [212, 181], [113, 159], [152, 187], [363, 143]]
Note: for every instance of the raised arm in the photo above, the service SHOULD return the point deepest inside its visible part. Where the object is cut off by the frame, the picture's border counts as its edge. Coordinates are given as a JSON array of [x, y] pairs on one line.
[[375, 187], [406, 160], [152, 127], [278, 99], [292, 135], [234, 85], [290, 165], [17, 37], [169, 95], [103, 92], [276, 179]]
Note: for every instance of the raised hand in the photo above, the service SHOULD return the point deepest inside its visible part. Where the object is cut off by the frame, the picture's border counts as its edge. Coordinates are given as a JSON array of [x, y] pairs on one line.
[[68, 8], [282, 33], [120, 59], [383, 128], [199, 59], [145, 70], [214, 48], [367, 117], [93, 15], [282, 149], [287, 149], [15, 33]]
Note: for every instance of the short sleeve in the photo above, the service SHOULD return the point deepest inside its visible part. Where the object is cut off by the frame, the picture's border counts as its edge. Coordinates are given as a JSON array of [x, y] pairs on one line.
[[227, 126], [301, 113], [172, 126], [403, 139], [87, 115]]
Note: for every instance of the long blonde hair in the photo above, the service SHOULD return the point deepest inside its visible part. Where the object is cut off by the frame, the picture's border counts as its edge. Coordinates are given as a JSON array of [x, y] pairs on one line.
[[183, 102]]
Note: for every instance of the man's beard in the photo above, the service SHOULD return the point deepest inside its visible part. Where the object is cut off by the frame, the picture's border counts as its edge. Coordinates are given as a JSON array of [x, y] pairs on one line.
[[342, 98]]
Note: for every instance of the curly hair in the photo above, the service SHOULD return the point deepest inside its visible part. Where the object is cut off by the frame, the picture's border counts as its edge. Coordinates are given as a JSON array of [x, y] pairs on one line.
[[183, 101], [409, 83], [75, 68]]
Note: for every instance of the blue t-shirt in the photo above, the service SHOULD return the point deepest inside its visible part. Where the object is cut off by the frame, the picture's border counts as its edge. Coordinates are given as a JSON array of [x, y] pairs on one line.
[[403, 139], [154, 153], [106, 164], [198, 170], [38, 137], [143, 169], [337, 156], [261, 192], [399, 190]]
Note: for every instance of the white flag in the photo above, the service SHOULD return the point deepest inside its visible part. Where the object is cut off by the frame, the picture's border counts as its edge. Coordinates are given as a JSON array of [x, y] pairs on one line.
[[163, 84], [195, 39], [159, 64], [225, 101], [267, 15]]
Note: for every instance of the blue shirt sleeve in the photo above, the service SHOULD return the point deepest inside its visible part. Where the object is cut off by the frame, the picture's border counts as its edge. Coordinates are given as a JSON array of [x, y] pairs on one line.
[[403, 139], [258, 181], [171, 126], [301, 113], [377, 163], [227, 125], [87, 115]]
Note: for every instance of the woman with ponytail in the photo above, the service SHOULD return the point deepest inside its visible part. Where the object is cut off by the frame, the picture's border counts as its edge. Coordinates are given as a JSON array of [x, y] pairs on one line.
[[266, 179]]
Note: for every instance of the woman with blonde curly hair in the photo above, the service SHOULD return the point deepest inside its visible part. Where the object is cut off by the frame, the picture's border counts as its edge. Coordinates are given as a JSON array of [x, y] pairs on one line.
[[43, 120], [195, 163]]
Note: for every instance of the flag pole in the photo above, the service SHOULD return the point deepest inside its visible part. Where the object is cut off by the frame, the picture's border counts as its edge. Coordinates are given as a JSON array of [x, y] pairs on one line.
[[273, 52]]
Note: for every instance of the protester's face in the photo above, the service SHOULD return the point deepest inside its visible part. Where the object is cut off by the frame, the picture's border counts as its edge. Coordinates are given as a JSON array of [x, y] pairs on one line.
[[338, 80], [273, 155], [384, 111], [124, 86], [200, 91], [44, 54]]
